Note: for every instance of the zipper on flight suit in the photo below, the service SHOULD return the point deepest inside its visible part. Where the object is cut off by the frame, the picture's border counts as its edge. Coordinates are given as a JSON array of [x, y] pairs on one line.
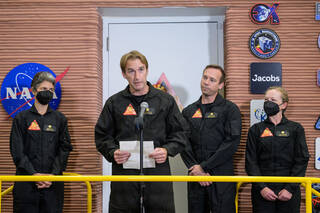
[[272, 151], [200, 135], [41, 144]]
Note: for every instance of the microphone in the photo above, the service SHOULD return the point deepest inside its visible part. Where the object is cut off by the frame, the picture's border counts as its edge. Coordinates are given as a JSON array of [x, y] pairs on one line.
[[143, 106], [139, 120]]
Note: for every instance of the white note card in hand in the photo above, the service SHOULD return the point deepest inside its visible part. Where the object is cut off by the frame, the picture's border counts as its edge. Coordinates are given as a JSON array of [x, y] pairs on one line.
[[134, 148]]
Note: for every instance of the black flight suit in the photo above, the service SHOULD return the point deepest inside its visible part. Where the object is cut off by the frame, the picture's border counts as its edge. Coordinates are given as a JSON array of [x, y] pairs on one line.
[[279, 150], [39, 144], [214, 138], [163, 124]]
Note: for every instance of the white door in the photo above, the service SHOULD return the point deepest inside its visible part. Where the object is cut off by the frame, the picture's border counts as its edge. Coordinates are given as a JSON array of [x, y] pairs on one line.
[[178, 49]]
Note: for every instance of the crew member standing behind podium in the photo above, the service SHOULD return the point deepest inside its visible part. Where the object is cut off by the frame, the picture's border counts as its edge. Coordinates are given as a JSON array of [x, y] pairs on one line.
[[163, 124], [276, 147], [40, 145], [215, 125]]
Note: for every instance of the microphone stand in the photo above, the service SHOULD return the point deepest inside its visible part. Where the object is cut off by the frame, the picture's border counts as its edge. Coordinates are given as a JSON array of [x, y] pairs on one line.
[[139, 125]]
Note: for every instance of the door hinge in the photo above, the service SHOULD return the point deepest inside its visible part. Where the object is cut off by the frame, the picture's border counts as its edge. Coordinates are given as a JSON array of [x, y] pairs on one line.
[[107, 44]]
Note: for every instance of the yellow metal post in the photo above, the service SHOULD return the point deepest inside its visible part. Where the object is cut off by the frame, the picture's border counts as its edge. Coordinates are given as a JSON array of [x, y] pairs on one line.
[[237, 196], [89, 192], [89, 197], [308, 197], [0, 195]]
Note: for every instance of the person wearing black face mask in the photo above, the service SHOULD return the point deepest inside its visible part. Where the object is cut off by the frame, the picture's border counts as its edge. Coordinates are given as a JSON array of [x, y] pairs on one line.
[[40, 145], [276, 147], [44, 97], [271, 108]]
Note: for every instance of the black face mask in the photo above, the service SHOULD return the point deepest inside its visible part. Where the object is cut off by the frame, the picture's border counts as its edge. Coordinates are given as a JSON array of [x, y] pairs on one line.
[[44, 97], [271, 108]]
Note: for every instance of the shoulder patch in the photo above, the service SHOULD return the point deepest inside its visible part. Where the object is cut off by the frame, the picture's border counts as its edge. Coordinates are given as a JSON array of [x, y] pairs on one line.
[[197, 114], [266, 133], [130, 110], [34, 126]]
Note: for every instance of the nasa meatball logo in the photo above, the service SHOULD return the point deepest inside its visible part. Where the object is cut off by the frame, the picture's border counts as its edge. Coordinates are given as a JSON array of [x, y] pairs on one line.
[[264, 43], [16, 94], [262, 13]]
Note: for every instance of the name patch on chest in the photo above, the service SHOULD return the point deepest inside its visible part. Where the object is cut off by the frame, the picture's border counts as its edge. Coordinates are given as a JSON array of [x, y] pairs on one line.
[[211, 115], [49, 128], [283, 133], [149, 111]]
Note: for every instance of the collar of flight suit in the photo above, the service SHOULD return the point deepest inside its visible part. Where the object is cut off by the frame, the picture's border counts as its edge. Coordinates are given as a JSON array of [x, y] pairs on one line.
[[283, 120], [34, 109], [217, 101], [152, 91]]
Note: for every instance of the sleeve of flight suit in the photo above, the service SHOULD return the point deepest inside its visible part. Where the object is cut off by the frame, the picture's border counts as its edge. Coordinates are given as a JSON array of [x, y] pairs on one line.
[[104, 133], [64, 147], [176, 130], [252, 166], [21, 161], [301, 158], [229, 145], [188, 155]]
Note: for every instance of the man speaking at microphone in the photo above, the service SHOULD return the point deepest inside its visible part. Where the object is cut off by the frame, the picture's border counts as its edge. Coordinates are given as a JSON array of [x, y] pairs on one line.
[[163, 124]]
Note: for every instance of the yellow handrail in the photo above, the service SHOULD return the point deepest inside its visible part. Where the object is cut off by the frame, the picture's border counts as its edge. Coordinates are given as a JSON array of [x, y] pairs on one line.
[[89, 191], [313, 190], [307, 181]]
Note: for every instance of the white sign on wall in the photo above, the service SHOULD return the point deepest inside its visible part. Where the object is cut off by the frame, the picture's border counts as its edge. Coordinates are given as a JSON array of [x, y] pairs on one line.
[[317, 157], [257, 113]]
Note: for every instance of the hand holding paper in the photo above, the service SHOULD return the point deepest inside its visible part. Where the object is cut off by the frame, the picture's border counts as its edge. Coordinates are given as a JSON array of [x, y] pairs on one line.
[[159, 154], [121, 156], [133, 148]]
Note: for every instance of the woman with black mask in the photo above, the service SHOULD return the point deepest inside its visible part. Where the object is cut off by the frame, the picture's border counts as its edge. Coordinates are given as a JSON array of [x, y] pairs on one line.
[[40, 145], [276, 147]]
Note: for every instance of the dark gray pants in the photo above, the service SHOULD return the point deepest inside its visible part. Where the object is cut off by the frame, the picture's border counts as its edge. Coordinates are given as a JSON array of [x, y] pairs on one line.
[[217, 198], [28, 198], [260, 205], [125, 197]]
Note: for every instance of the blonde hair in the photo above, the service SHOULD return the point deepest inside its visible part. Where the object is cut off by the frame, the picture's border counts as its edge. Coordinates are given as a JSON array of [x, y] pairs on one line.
[[284, 93], [134, 54]]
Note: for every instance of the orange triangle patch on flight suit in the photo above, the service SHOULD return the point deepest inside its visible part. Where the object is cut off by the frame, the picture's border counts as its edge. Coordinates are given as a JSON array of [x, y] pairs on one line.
[[197, 114], [266, 133], [34, 126], [130, 110]]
